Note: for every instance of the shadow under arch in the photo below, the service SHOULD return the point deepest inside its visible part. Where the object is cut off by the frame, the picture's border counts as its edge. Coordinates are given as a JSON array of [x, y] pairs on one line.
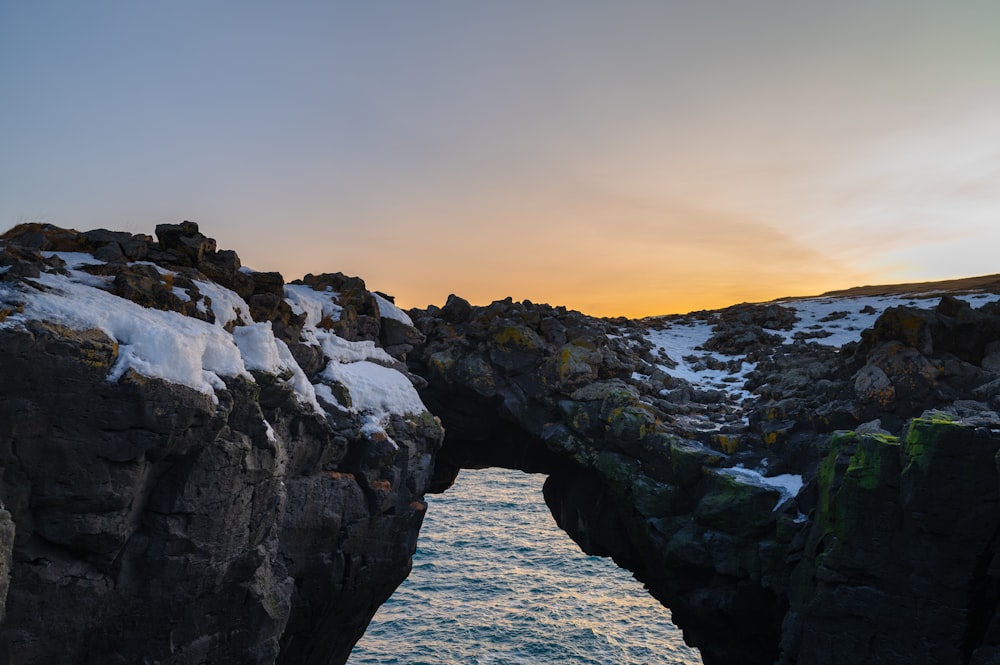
[[479, 435], [546, 390]]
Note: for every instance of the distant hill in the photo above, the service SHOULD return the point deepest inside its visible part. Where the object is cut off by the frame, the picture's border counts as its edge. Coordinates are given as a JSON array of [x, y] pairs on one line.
[[990, 283]]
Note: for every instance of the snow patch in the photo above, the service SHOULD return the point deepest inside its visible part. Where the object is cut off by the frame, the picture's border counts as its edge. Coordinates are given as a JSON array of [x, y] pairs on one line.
[[164, 345], [389, 310], [375, 390], [682, 340], [372, 426], [316, 305], [263, 352], [75, 260], [343, 351], [227, 306], [789, 485]]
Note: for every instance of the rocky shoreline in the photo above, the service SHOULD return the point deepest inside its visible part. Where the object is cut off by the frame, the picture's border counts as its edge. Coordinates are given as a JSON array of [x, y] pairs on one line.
[[795, 491]]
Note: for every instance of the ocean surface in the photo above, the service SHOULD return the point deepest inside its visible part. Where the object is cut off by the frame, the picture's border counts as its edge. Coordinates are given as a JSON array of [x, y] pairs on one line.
[[496, 582]]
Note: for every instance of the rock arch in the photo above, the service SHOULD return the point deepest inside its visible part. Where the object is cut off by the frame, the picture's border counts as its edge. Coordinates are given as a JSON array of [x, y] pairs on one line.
[[545, 389], [752, 574]]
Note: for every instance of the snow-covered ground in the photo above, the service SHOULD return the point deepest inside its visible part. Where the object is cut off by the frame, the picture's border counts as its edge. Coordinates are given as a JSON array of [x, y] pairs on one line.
[[197, 354], [682, 342], [830, 321], [845, 318]]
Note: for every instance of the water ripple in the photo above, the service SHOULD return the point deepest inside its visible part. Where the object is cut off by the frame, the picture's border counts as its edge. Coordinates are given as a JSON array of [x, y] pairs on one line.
[[495, 582]]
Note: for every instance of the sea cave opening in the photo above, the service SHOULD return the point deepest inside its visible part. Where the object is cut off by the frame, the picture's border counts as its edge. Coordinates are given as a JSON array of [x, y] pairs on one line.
[[496, 581]]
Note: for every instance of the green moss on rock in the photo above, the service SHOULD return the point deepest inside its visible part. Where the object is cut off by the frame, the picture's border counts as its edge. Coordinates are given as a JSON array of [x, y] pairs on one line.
[[733, 506], [517, 337], [631, 423], [923, 435], [866, 467]]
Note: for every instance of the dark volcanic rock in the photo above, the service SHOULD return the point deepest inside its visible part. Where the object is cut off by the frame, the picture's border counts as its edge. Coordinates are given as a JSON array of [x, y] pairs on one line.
[[161, 524], [750, 572], [185, 243], [898, 563], [146, 521], [545, 389]]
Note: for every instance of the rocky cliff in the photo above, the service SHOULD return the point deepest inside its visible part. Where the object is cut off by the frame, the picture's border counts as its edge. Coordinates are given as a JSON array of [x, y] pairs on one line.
[[202, 463], [788, 495], [177, 491]]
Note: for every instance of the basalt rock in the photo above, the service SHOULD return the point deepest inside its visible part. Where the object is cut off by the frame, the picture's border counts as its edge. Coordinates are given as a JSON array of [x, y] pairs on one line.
[[900, 562], [146, 521], [549, 390], [846, 512], [752, 571]]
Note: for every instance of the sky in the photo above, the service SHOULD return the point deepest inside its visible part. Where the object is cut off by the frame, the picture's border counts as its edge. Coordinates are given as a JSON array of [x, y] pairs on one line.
[[621, 158]]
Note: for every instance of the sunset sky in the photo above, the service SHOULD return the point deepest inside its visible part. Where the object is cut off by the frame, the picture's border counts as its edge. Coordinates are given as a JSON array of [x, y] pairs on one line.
[[620, 157]]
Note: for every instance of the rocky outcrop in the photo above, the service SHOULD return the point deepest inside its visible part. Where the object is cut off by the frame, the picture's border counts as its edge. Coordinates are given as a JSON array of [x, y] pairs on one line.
[[790, 536], [203, 463], [545, 389], [149, 521], [900, 565]]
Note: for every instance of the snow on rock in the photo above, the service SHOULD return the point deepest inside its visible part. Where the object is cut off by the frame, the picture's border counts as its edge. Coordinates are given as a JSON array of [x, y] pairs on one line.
[[227, 306], [389, 310], [262, 351], [271, 436], [828, 321], [75, 259], [316, 305], [154, 343], [843, 318], [788, 484], [681, 341], [372, 427], [197, 354], [341, 350], [375, 390], [259, 348]]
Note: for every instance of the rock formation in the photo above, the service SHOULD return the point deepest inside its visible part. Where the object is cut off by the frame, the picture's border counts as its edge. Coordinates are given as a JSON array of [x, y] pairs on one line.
[[203, 463], [806, 533], [155, 522]]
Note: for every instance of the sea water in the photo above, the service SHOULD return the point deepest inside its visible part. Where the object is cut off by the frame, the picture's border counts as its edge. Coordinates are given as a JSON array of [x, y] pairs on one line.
[[496, 582]]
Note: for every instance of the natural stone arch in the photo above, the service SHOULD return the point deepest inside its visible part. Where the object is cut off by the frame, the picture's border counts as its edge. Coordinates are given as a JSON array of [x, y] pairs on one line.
[[544, 389]]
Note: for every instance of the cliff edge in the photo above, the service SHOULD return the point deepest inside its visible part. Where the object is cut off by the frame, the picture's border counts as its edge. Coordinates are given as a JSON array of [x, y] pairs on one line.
[[203, 463], [180, 490]]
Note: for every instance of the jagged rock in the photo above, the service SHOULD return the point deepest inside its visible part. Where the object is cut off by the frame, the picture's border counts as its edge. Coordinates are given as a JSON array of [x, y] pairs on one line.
[[117, 245], [398, 338], [991, 358], [629, 481], [188, 246], [456, 310], [148, 521], [181, 562], [622, 482], [896, 566], [872, 384], [145, 285]]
